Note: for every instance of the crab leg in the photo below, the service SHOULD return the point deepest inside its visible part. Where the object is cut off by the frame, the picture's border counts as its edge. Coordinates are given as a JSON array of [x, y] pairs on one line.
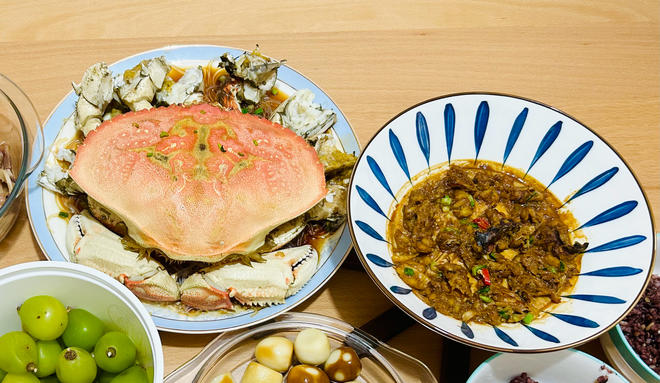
[[283, 274], [90, 243]]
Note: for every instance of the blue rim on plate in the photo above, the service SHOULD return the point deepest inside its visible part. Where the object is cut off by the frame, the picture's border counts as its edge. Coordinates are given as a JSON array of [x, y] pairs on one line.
[[588, 359], [576, 164], [183, 53]]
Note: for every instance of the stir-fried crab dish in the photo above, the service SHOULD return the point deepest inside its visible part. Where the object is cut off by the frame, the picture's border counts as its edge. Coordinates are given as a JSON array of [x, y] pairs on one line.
[[205, 186]]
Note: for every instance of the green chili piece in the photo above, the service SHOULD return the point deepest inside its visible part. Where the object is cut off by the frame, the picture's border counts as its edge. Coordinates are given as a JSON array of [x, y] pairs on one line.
[[63, 214], [485, 298], [471, 199], [408, 271], [475, 269], [528, 318], [164, 134], [446, 200], [484, 290], [259, 111]]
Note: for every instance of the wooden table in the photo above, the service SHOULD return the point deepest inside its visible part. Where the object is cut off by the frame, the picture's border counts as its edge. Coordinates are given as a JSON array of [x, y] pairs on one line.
[[596, 60]]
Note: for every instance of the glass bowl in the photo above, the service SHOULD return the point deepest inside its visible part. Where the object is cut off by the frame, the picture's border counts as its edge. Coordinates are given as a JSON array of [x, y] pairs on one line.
[[232, 351], [19, 123]]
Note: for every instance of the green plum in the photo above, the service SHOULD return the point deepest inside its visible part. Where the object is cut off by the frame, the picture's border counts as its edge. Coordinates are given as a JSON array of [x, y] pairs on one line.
[[84, 330], [47, 353], [115, 352], [135, 374], [19, 352], [43, 317]]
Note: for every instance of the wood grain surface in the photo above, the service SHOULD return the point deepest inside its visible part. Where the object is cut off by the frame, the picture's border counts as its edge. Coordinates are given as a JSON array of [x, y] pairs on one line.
[[598, 61]]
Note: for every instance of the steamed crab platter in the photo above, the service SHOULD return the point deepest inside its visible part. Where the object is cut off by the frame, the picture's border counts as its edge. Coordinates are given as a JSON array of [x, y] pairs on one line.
[[205, 189]]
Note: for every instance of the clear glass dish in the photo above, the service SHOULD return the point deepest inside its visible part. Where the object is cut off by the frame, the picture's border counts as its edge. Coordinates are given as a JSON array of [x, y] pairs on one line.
[[19, 126], [232, 351]]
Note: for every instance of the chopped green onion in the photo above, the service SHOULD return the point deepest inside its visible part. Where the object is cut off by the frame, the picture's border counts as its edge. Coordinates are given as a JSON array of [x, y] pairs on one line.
[[150, 154], [476, 269], [562, 266], [505, 315], [195, 131], [241, 154], [528, 318], [484, 290], [492, 256], [255, 142], [244, 110], [553, 269], [274, 91], [473, 224], [530, 240], [450, 229], [464, 221], [446, 200], [408, 271], [259, 111], [202, 111], [439, 274], [531, 195], [445, 208], [486, 298], [164, 134], [63, 214], [222, 148], [471, 199]]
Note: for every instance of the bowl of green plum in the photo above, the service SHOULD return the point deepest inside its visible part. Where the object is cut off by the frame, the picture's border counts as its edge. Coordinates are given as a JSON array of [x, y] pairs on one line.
[[68, 323]]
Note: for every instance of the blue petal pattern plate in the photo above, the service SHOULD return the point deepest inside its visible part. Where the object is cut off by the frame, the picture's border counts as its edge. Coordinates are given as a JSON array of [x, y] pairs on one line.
[[575, 163], [49, 229]]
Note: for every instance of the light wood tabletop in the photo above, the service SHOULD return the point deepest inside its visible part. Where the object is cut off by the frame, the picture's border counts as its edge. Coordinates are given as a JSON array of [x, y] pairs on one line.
[[598, 61]]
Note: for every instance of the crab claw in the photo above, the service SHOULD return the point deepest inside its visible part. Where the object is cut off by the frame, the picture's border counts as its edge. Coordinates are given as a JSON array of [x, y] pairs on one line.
[[90, 243], [283, 274]]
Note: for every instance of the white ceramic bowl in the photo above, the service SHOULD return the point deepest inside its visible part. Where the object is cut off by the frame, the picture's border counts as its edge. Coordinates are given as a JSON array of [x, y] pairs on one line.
[[567, 366], [577, 166], [82, 287]]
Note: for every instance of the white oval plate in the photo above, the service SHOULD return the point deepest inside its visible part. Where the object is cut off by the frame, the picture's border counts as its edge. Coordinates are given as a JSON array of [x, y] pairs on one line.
[[49, 229]]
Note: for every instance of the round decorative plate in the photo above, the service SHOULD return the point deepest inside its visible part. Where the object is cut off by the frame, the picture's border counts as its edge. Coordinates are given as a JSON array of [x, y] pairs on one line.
[[568, 366], [576, 165], [50, 230]]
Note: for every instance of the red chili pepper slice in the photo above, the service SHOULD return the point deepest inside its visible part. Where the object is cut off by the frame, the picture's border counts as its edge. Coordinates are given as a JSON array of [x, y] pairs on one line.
[[482, 223], [486, 274]]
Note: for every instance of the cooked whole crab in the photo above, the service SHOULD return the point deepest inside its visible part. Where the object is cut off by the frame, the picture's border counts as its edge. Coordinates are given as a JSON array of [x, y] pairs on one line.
[[267, 271]]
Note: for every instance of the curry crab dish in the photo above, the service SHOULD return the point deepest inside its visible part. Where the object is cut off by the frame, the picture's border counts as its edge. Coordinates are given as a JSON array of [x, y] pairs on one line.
[[204, 187], [483, 243]]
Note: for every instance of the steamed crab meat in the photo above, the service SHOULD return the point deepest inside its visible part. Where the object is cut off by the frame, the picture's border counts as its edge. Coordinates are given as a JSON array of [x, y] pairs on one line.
[[258, 72], [283, 274], [141, 83], [333, 206], [332, 156], [90, 243], [283, 234], [54, 177], [305, 118], [186, 91], [94, 95]]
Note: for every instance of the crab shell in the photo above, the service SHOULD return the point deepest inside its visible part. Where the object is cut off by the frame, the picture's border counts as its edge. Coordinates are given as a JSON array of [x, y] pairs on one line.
[[89, 243], [283, 274]]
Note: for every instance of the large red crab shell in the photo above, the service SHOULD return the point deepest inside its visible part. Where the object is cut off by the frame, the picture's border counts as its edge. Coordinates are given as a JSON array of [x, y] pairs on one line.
[[198, 182]]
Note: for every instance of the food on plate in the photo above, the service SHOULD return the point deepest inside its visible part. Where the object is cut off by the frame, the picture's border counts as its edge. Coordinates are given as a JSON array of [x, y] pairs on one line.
[[275, 352], [67, 358], [7, 177], [205, 187], [484, 244], [642, 325], [312, 346], [304, 373], [343, 365], [257, 373], [313, 362], [522, 378]]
